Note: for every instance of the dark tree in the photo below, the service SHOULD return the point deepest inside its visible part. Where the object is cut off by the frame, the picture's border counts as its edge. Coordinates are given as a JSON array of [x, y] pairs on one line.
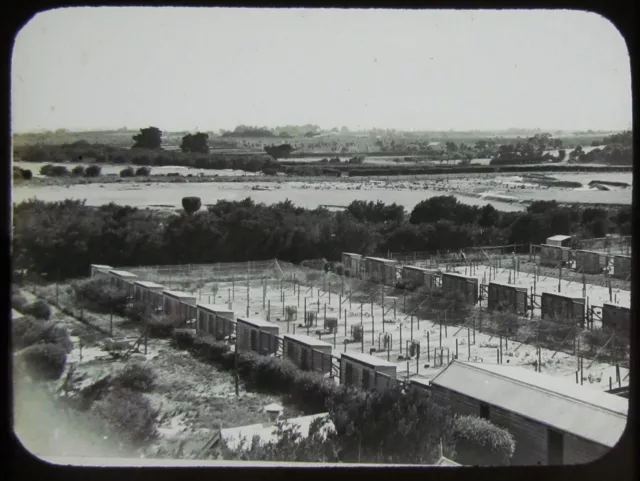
[[93, 171], [26, 174], [78, 171], [279, 151], [434, 209], [128, 172], [196, 143], [143, 172], [149, 138], [489, 216], [191, 204]]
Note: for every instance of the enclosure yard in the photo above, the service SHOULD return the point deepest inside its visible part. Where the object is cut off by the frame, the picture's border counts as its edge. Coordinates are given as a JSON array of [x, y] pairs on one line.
[[284, 294]]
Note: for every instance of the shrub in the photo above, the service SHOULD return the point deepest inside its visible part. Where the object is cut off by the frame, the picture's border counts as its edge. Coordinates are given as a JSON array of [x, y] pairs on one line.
[[44, 362], [191, 204], [100, 296], [183, 338], [78, 171], [136, 376], [28, 331], [51, 170], [38, 309], [136, 311], [160, 327], [143, 172], [128, 172], [93, 171], [18, 301], [129, 413], [480, 442]]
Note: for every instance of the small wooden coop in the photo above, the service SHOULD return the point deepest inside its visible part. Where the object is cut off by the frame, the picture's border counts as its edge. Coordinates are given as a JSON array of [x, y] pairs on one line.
[[366, 371], [308, 353], [590, 262], [382, 271], [507, 298], [419, 277], [562, 308], [622, 267], [179, 306], [100, 270], [616, 317], [352, 264], [218, 321], [461, 287], [256, 335], [149, 293], [123, 280]]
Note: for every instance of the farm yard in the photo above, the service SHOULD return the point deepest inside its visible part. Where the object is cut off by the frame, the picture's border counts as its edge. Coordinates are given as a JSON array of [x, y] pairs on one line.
[[285, 295], [505, 192]]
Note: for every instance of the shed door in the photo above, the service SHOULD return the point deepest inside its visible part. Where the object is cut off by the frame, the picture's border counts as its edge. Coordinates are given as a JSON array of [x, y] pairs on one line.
[[555, 447], [304, 359], [348, 374], [472, 292], [366, 379]]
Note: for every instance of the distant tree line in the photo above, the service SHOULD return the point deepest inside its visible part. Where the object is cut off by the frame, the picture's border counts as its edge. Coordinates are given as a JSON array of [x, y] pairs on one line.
[[47, 235]]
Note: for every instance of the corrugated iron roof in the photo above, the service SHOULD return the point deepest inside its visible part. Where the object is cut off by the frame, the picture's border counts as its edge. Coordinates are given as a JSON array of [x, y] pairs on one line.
[[122, 273], [572, 408]]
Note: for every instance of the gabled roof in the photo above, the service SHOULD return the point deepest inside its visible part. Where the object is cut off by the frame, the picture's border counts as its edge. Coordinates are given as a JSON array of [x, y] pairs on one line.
[[576, 409], [382, 259], [506, 284], [566, 296], [558, 238]]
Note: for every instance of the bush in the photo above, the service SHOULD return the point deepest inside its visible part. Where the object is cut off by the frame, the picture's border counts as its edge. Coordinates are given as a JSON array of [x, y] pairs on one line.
[[136, 312], [128, 172], [28, 331], [129, 413], [51, 170], [38, 309], [93, 171], [44, 362], [18, 301], [100, 296], [480, 442], [143, 172], [160, 328], [136, 376], [183, 338], [191, 204], [26, 174], [78, 171]]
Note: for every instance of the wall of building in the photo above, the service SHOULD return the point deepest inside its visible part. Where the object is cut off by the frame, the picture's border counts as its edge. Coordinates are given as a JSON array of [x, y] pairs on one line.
[[551, 256], [578, 450], [590, 262], [507, 298], [621, 267], [616, 317]]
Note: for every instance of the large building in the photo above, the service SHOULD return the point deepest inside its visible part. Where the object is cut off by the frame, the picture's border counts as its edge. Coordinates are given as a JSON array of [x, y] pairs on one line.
[[552, 420]]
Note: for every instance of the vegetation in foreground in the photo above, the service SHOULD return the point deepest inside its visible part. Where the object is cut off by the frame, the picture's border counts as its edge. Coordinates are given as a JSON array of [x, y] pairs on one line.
[[47, 235]]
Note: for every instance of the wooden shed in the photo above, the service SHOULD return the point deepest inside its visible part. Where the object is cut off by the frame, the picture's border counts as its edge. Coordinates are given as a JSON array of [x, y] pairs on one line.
[[622, 267], [381, 270], [419, 277], [123, 280], [149, 293], [563, 308], [507, 298], [590, 262], [100, 270], [219, 321], [362, 370], [553, 255], [256, 335], [352, 263], [179, 306], [308, 353], [616, 317], [460, 287], [553, 420], [421, 384]]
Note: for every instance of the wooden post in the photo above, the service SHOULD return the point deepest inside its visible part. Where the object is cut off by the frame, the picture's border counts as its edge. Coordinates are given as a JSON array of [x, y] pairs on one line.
[[269, 310], [233, 288], [318, 305], [411, 328], [610, 385], [440, 321], [456, 348], [539, 359], [468, 344], [235, 368], [428, 348], [560, 278], [618, 375], [400, 338], [335, 333]]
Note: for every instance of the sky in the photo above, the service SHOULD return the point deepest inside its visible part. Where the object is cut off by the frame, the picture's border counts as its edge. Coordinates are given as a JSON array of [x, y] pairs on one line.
[[187, 69]]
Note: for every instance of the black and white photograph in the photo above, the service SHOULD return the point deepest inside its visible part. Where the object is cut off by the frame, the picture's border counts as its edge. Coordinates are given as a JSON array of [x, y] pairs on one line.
[[265, 236]]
